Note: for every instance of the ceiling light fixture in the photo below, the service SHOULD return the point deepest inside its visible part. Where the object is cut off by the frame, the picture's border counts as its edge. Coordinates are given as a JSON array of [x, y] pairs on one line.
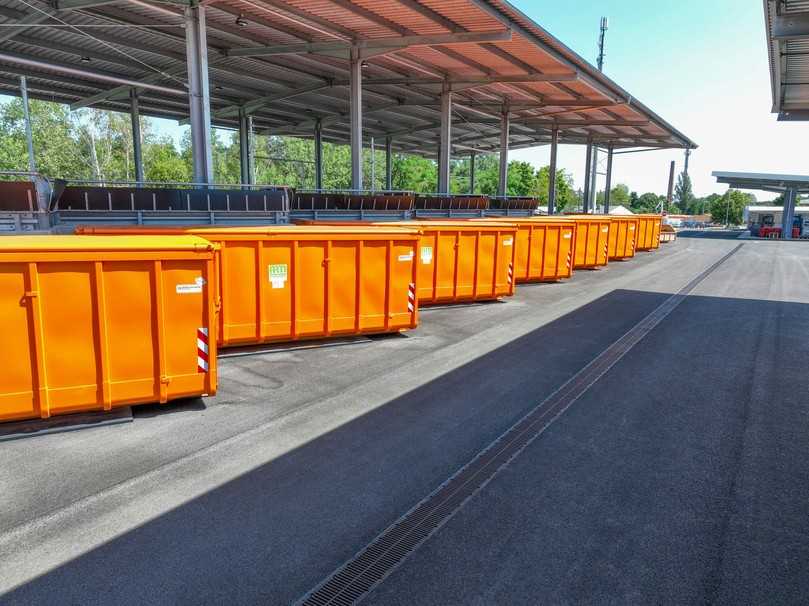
[[241, 21]]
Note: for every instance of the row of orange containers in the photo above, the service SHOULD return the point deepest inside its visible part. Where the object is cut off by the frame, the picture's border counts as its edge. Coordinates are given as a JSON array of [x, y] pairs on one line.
[[126, 315]]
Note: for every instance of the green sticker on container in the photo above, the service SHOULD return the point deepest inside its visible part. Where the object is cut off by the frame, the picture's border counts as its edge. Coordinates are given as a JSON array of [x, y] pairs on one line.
[[278, 274]]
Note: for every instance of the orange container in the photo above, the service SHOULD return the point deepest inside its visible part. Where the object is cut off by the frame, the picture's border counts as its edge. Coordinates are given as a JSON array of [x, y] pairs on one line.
[[649, 231], [544, 248], [91, 324], [592, 240], [623, 237], [460, 261], [285, 283]]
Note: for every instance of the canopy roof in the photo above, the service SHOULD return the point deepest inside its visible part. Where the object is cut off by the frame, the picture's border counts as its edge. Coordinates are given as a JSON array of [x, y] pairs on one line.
[[787, 25], [764, 182], [285, 62]]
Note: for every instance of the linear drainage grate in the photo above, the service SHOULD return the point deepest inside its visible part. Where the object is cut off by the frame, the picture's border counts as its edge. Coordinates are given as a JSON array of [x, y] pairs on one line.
[[357, 577]]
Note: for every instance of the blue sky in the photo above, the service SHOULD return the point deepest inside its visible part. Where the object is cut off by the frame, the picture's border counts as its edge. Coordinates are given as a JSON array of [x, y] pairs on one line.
[[701, 65]]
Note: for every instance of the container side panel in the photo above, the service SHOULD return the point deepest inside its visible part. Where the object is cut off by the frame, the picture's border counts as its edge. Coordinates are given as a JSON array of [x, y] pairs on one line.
[[372, 285], [343, 267], [276, 271], [539, 256], [311, 278], [447, 253], [16, 339], [239, 297], [68, 326], [570, 246], [404, 255], [466, 263], [522, 259], [132, 354], [426, 260], [184, 310], [489, 282]]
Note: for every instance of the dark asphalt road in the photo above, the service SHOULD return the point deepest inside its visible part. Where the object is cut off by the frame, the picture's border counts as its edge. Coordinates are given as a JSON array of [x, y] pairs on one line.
[[680, 477]]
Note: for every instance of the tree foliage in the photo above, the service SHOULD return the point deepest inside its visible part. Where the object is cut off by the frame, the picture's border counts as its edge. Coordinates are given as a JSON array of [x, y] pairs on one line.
[[729, 209], [684, 191]]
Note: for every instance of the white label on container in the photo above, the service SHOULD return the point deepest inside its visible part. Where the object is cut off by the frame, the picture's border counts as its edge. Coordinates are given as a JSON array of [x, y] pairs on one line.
[[278, 274], [631, 228], [191, 289], [426, 255], [567, 236], [605, 230], [508, 241], [407, 257]]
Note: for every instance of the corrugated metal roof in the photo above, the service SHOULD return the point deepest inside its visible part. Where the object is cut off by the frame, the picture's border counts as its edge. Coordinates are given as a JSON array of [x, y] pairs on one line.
[[789, 61], [288, 93]]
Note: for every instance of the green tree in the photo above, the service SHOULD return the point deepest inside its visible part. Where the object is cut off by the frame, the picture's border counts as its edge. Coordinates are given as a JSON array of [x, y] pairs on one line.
[[565, 195], [683, 191], [648, 203], [729, 209], [619, 195]]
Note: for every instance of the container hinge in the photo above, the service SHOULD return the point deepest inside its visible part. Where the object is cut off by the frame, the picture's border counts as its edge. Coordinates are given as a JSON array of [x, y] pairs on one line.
[[31, 293], [165, 379]]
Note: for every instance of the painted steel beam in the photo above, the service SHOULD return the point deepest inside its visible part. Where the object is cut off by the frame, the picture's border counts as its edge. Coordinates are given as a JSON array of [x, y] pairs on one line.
[[552, 172], [137, 152], [356, 120], [502, 187], [31, 19], [24, 60], [445, 138], [199, 99], [790, 26], [392, 43]]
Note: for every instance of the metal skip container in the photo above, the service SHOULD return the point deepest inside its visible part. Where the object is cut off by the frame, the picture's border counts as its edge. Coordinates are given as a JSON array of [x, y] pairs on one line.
[[592, 240], [543, 249], [649, 231], [286, 283], [460, 261], [94, 323], [623, 237]]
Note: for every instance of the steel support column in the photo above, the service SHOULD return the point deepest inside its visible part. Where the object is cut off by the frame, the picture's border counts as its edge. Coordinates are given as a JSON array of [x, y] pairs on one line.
[[355, 82], [472, 173], [245, 134], [593, 201], [588, 164], [318, 154], [388, 163], [199, 98], [552, 172], [504, 128], [29, 134], [445, 136], [789, 214], [608, 186], [137, 142]]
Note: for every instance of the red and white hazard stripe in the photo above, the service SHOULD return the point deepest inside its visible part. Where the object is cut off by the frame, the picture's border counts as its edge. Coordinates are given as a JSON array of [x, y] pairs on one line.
[[411, 297], [510, 273], [202, 350], [569, 259]]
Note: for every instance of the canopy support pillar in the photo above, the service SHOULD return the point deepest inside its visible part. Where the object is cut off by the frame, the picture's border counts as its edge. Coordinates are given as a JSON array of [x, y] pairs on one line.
[[199, 97]]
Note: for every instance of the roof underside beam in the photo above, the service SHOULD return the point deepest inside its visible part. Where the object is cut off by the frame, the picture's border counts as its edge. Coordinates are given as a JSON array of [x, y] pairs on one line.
[[394, 43], [790, 26]]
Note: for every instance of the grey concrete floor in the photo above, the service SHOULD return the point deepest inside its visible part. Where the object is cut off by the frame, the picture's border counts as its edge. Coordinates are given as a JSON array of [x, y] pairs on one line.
[[681, 476]]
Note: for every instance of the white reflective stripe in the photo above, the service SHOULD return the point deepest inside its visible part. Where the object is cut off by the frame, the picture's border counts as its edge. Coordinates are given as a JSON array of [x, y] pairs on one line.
[[202, 364], [202, 346], [204, 331]]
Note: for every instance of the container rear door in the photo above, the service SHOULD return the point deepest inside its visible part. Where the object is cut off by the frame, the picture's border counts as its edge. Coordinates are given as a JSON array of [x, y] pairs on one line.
[[185, 295]]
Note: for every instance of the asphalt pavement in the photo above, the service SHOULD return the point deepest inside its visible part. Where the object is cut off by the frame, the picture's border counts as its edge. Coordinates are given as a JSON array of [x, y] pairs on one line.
[[679, 477]]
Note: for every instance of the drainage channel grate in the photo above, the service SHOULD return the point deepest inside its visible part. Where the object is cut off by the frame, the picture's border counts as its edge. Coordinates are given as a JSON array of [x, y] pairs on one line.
[[357, 577]]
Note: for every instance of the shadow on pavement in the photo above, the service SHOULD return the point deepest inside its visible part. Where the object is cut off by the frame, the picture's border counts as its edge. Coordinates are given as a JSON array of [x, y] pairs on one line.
[[271, 534]]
